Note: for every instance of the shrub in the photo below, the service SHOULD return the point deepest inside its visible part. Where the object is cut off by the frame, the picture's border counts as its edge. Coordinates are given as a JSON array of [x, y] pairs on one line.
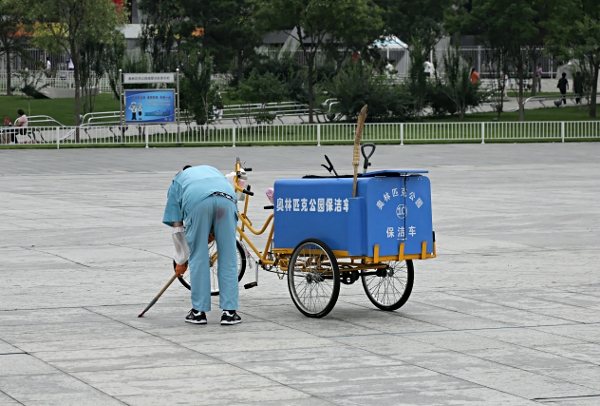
[[356, 85]]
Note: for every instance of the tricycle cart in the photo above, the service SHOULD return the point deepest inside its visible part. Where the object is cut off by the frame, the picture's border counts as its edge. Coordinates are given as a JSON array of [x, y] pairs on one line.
[[320, 236]]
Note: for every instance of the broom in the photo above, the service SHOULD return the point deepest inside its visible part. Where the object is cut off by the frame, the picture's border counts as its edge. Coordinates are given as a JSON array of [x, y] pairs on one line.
[[359, 130]]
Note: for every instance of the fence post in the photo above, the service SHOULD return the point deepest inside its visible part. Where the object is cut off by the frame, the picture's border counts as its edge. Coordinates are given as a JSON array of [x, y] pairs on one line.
[[318, 135], [57, 138], [483, 133], [562, 131], [401, 133], [146, 135], [233, 137]]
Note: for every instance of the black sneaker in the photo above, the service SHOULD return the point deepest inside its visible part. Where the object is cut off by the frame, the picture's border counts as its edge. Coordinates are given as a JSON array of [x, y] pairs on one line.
[[196, 317], [230, 317]]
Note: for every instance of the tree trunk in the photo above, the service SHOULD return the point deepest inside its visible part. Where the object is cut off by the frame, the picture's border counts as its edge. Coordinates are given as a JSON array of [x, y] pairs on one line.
[[594, 91], [240, 66], [8, 84], [534, 77], [75, 58], [520, 98], [310, 89]]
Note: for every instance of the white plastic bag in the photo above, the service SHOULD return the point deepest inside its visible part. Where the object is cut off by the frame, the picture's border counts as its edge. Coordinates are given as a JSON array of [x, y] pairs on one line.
[[241, 183], [182, 251]]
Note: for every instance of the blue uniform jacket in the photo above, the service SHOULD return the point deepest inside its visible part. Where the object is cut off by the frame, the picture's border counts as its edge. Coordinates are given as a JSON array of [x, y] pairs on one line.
[[190, 187]]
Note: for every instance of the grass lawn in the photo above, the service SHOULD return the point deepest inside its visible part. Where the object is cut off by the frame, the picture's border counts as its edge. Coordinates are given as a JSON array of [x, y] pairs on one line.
[[547, 114], [527, 94], [62, 110]]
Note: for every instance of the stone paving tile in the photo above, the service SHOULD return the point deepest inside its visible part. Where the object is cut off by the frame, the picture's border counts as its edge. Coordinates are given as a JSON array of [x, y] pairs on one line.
[[526, 384], [53, 389], [8, 401], [214, 377], [388, 345], [258, 395], [584, 375], [373, 381], [527, 337], [583, 352], [525, 358], [6, 348], [23, 364], [457, 341], [326, 363], [124, 358], [582, 332], [292, 354], [372, 322], [45, 316], [238, 340], [453, 397], [496, 311], [452, 363], [311, 401], [401, 321]]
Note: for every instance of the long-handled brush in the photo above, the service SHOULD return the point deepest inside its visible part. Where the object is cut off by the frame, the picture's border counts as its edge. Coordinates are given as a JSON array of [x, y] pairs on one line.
[[158, 296], [359, 130]]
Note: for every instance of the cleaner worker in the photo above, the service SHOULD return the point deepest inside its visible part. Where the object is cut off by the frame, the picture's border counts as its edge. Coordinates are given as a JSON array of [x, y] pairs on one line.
[[203, 199]]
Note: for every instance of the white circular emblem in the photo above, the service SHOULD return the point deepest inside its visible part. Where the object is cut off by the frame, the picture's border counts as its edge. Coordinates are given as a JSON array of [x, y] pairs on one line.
[[401, 211]]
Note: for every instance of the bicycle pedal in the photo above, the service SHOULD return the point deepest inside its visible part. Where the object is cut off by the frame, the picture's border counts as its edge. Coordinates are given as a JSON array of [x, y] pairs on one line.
[[250, 285]]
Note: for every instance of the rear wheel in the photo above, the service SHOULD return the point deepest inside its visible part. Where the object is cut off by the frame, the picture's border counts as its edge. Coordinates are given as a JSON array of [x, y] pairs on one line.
[[313, 278], [214, 266], [390, 287]]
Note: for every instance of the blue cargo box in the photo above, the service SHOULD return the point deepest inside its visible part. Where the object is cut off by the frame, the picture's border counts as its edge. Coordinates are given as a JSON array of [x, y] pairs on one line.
[[391, 208]]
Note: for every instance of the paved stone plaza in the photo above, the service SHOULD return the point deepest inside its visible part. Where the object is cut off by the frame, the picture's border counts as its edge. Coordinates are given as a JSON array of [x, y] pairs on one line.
[[508, 314]]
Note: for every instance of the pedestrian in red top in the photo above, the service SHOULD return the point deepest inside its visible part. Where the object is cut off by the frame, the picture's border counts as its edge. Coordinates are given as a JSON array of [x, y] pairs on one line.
[[474, 76]]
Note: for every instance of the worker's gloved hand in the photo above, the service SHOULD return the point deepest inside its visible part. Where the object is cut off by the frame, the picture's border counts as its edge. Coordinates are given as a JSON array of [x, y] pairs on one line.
[[211, 238], [180, 269]]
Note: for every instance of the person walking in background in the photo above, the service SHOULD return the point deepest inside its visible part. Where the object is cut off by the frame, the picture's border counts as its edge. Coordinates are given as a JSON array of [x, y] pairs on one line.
[[538, 76], [563, 86], [474, 76], [427, 68]]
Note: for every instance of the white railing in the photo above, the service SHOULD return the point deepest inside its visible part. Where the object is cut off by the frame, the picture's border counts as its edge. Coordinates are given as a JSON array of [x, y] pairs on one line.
[[63, 80], [319, 134]]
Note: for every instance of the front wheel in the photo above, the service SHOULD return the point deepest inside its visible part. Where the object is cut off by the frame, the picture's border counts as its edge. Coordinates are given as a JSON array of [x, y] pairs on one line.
[[313, 278], [214, 266], [390, 287]]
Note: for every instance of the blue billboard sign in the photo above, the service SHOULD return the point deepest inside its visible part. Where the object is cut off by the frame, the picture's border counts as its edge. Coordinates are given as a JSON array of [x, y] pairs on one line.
[[149, 106]]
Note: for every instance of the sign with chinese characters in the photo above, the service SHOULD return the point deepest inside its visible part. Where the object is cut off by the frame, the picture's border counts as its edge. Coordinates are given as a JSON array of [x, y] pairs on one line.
[[398, 211], [149, 106], [388, 211], [129, 78]]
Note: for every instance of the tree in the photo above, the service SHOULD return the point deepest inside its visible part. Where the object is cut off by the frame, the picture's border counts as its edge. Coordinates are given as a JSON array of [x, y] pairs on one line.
[[224, 28], [158, 39], [312, 22], [575, 34], [69, 24], [12, 29], [457, 84], [198, 95], [356, 86], [421, 20], [510, 27], [262, 89]]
